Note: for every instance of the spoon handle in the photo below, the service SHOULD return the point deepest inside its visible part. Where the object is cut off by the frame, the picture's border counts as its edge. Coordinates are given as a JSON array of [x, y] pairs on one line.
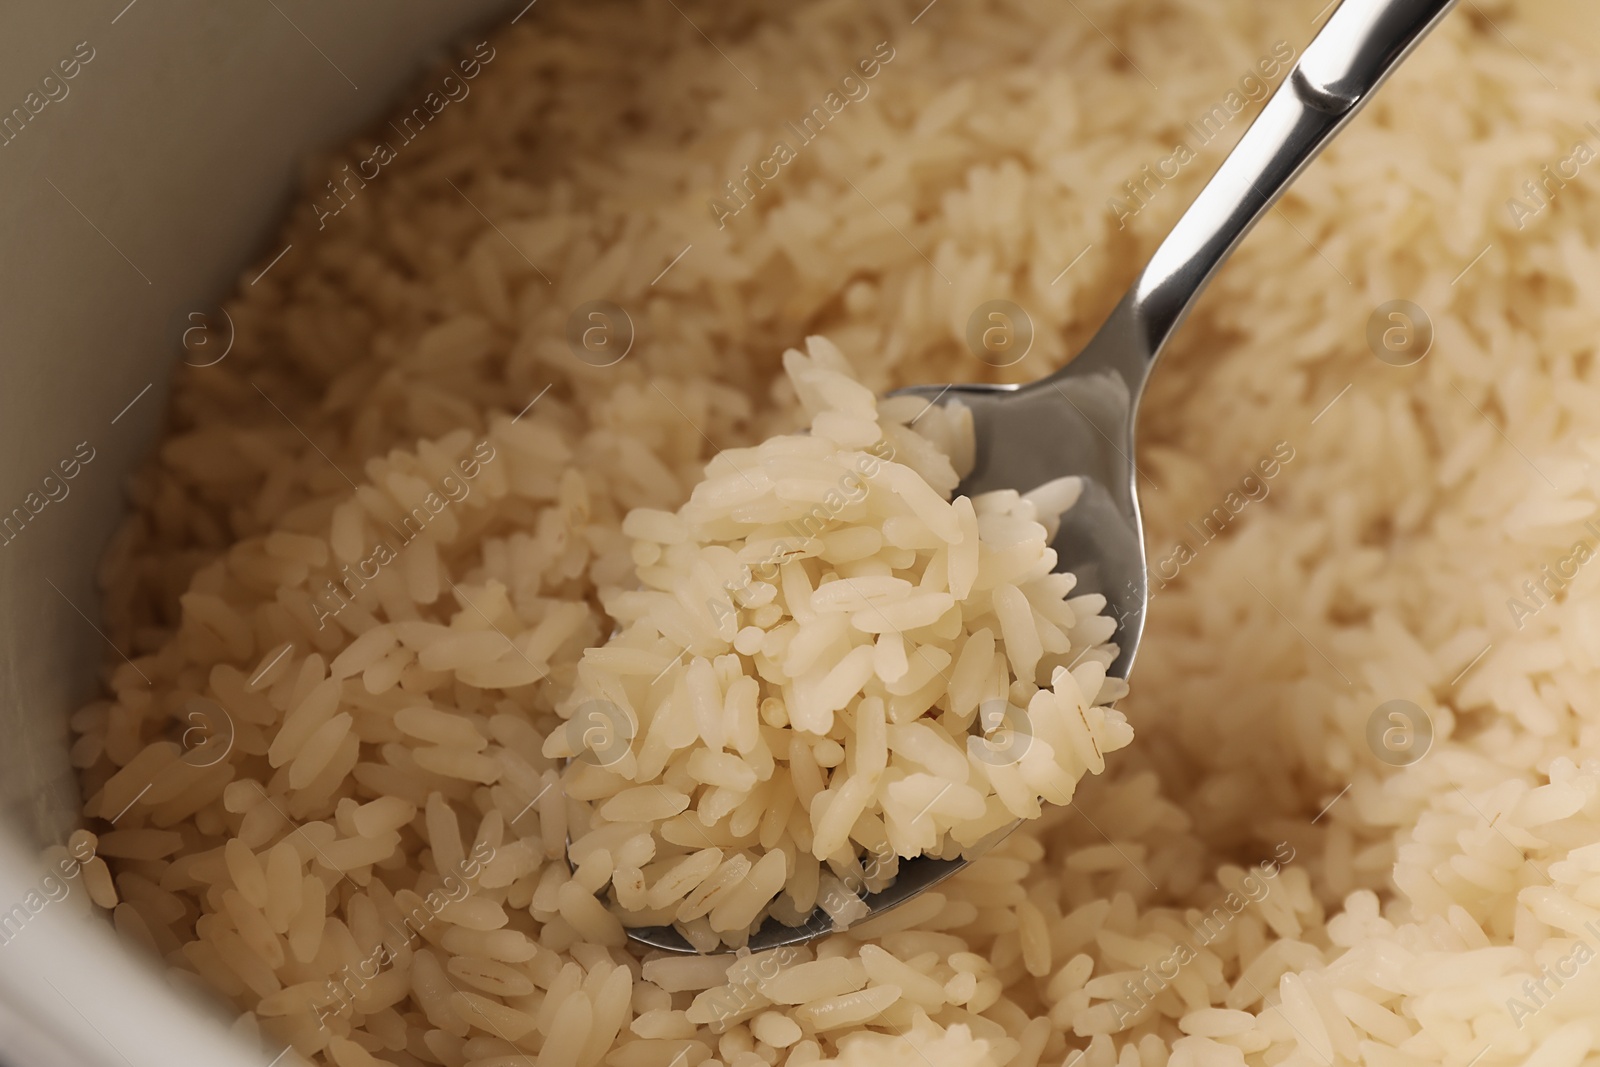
[[1363, 42]]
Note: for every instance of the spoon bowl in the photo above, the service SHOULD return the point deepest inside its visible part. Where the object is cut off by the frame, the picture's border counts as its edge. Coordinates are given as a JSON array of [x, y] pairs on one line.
[[1078, 423]]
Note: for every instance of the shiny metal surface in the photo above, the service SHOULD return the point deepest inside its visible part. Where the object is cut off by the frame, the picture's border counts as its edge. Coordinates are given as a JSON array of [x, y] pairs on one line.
[[915, 876], [1080, 420]]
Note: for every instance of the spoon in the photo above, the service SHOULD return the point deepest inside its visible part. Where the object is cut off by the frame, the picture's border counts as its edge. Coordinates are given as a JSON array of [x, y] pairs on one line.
[[1080, 420]]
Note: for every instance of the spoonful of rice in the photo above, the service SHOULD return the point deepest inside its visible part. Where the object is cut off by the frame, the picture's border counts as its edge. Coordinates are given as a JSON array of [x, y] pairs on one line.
[[858, 656]]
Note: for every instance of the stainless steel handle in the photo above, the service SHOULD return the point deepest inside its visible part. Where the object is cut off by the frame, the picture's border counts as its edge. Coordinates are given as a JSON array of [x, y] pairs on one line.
[[1343, 66]]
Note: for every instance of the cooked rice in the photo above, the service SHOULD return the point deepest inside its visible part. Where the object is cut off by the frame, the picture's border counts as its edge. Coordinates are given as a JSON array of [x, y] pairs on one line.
[[1251, 883], [818, 610]]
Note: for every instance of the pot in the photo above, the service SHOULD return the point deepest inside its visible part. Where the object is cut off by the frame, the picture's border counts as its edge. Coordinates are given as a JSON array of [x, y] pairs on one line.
[[146, 153]]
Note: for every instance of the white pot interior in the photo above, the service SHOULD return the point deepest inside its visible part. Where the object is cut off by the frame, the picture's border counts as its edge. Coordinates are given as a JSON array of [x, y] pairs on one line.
[[151, 152]]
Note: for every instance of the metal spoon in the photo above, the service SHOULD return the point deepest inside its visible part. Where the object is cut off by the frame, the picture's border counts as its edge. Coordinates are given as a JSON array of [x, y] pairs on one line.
[[1080, 420]]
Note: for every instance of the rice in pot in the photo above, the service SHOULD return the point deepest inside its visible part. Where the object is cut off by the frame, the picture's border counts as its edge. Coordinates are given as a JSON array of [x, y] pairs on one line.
[[378, 539]]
